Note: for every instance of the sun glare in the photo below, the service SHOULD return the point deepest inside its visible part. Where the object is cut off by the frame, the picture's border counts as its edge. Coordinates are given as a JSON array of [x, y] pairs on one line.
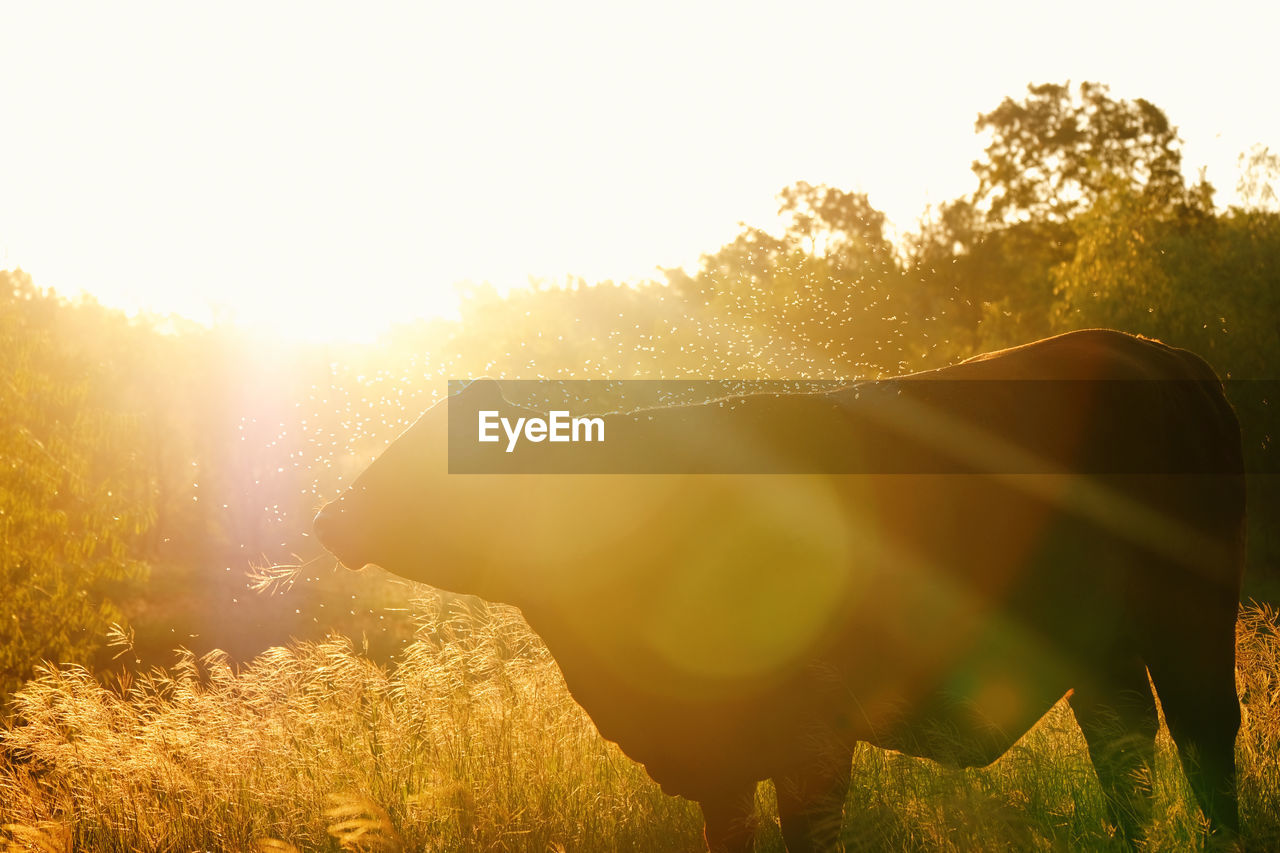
[[327, 172]]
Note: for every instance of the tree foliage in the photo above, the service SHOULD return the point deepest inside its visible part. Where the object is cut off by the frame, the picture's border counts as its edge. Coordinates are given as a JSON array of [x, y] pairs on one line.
[[73, 501], [1053, 153], [1259, 179], [827, 297]]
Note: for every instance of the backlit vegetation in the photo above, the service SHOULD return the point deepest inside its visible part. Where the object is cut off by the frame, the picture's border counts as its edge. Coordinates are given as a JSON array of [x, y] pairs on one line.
[[147, 464]]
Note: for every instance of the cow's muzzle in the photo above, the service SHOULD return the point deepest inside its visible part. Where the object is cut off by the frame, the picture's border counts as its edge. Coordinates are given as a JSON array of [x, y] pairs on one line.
[[333, 528]]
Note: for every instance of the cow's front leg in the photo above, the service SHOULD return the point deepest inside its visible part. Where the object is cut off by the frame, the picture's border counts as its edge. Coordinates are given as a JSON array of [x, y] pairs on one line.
[[729, 819]]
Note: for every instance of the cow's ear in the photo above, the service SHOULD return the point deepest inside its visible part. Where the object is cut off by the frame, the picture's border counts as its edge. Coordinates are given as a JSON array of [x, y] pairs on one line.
[[482, 393]]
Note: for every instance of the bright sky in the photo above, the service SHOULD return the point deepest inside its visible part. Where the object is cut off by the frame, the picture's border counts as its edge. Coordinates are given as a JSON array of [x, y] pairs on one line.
[[322, 169]]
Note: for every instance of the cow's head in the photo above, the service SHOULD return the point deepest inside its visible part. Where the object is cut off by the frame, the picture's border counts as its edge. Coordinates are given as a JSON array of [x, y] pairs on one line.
[[720, 575], [403, 514]]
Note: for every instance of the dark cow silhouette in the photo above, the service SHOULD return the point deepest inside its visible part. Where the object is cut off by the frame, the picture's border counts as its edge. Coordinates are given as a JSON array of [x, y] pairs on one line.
[[725, 629]]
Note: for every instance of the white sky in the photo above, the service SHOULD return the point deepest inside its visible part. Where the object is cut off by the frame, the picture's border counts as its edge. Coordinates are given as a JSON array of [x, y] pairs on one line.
[[324, 169]]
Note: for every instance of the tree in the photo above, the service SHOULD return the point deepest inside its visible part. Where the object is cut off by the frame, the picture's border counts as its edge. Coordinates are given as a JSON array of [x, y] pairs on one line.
[[1116, 277], [826, 298], [838, 225], [1203, 281], [1259, 177], [1061, 165], [1052, 154]]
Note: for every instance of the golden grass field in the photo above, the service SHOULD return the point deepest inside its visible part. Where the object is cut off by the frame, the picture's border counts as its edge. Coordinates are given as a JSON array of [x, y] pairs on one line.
[[471, 742]]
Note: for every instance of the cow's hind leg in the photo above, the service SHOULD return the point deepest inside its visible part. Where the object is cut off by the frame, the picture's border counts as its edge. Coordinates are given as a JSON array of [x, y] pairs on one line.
[[729, 819], [1117, 714], [1195, 679], [811, 805]]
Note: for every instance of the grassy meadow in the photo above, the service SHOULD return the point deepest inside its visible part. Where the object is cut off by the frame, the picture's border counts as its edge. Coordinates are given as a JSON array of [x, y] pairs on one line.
[[470, 741]]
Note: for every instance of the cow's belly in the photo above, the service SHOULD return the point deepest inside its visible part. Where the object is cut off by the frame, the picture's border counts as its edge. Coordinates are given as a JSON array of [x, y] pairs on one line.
[[970, 712], [961, 706]]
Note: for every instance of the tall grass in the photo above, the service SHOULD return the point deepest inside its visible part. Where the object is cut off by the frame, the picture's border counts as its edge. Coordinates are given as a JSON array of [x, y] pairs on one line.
[[471, 742]]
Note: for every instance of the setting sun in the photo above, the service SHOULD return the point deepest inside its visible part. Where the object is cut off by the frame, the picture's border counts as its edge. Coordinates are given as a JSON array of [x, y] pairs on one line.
[[320, 171]]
